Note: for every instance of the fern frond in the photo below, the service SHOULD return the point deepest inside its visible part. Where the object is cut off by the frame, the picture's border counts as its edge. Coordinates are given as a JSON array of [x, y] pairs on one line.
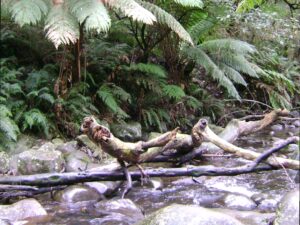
[[201, 28], [149, 68], [35, 118], [93, 13], [167, 19], [61, 27], [120, 93], [9, 128], [246, 5], [47, 97], [28, 11], [4, 111], [202, 59], [190, 3], [233, 75], [173, 91], [132, 9]]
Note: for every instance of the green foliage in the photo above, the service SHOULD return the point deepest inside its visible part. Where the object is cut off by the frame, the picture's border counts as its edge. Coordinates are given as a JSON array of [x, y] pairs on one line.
[[173, 91], [190, 3], [34, 118], [247, 5]]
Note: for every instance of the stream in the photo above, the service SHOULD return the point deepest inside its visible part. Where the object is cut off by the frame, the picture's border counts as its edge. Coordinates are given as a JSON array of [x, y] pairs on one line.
[[257, 191]]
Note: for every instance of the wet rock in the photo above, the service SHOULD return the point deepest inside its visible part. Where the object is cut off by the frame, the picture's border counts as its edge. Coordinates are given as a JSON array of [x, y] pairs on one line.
[[249, 217], [77, 193], [24, 143], [239, 202], [21, 210], [293, 148], [118, 210], [277, 127], [104, 187], [4, 222], [77, 161], [57, 141], [188, 214], [288, 209], [43, 160], [131, 131], [67, 147], [4, 162]]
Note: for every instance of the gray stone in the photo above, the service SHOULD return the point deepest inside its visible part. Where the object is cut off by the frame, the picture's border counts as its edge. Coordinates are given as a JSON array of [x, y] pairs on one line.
[[21, 210], [57, 141], [24, 143], [4, 222], [131, 131], [249, 217], [104, 187], [4, 162], [293, 148], [288, 210], [188, 214], [277, 127], [129, 211], [296, 123], [239, 202], [77, 161], [67, 147], [77, 193], [43, 160]]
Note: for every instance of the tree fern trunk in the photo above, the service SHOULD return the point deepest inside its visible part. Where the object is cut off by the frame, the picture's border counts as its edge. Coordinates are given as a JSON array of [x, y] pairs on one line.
[[79, 55]]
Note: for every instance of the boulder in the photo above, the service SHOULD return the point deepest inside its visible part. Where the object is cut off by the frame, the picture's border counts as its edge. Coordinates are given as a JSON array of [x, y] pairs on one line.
[[188, 214], [131, 131], [67, 147], [104, 187], [93, 149], [277, 127], [4, 162], [239, 202], [21, 210], [123, 210], [43, 160], [77, 161], [287, 212], [77, 193]]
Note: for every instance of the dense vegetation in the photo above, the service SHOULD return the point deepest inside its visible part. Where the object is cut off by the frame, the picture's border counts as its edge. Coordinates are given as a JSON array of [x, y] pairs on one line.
[[163, 63]]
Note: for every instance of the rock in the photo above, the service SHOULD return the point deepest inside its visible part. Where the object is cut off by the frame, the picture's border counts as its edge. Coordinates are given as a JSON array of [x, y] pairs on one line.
[[239, 202], [4, 162], [77, 193], [43, 160], [95, 150], [67, 147], [249, 217], [277, 127], [288, 210], [104, 187], [24, 143], [57, 142], [296, 123], [4, 222], [131, 131], [21, 210], [293, 148], [119, 209], [188, 214], [77, 161]]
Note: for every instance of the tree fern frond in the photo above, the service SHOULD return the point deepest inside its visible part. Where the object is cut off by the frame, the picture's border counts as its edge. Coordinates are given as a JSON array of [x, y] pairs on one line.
[[164, 17], [120, 93], [28, 11], [201, 58], [93, 13], [149, 68], [35, 118], [246, 5], [4, 111], [61, 27], [190, 3], [236, 46], [201, 28], [47, 97], [173, 91], [233, 75], [132, 9], [8, 128]]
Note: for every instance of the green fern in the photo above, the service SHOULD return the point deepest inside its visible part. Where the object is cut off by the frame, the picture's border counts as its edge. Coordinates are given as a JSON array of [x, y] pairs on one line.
[[246, 5], [8, 128], [167, 19], [35, 118], [190, 3], [173, 92], [91, 13], [152, 69]]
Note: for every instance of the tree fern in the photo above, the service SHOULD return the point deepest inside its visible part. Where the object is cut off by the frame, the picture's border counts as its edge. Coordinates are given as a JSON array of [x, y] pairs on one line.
[[61, 26], [92, 13], [132, 9], [246, 5], [149, 68], [232, 74], [201, 28], [167, 19], [173, 91], [35, 118], [190, 3], [28, 11]]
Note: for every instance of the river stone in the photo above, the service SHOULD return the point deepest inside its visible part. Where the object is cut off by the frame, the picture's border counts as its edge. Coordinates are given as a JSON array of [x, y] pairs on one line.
[[296, 123], [21, 210], [4, 162], [188, 214], [104, 187], [120, 208], [131, 131], [77, 161], [288, 210], [239, 202], [77, 193], [57, 141], [249, 217], [43, 160], [67, 147], [4, 222], [277, 127]]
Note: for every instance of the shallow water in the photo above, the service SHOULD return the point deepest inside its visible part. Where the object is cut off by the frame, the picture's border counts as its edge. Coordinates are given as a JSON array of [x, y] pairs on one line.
[[265, 188]]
